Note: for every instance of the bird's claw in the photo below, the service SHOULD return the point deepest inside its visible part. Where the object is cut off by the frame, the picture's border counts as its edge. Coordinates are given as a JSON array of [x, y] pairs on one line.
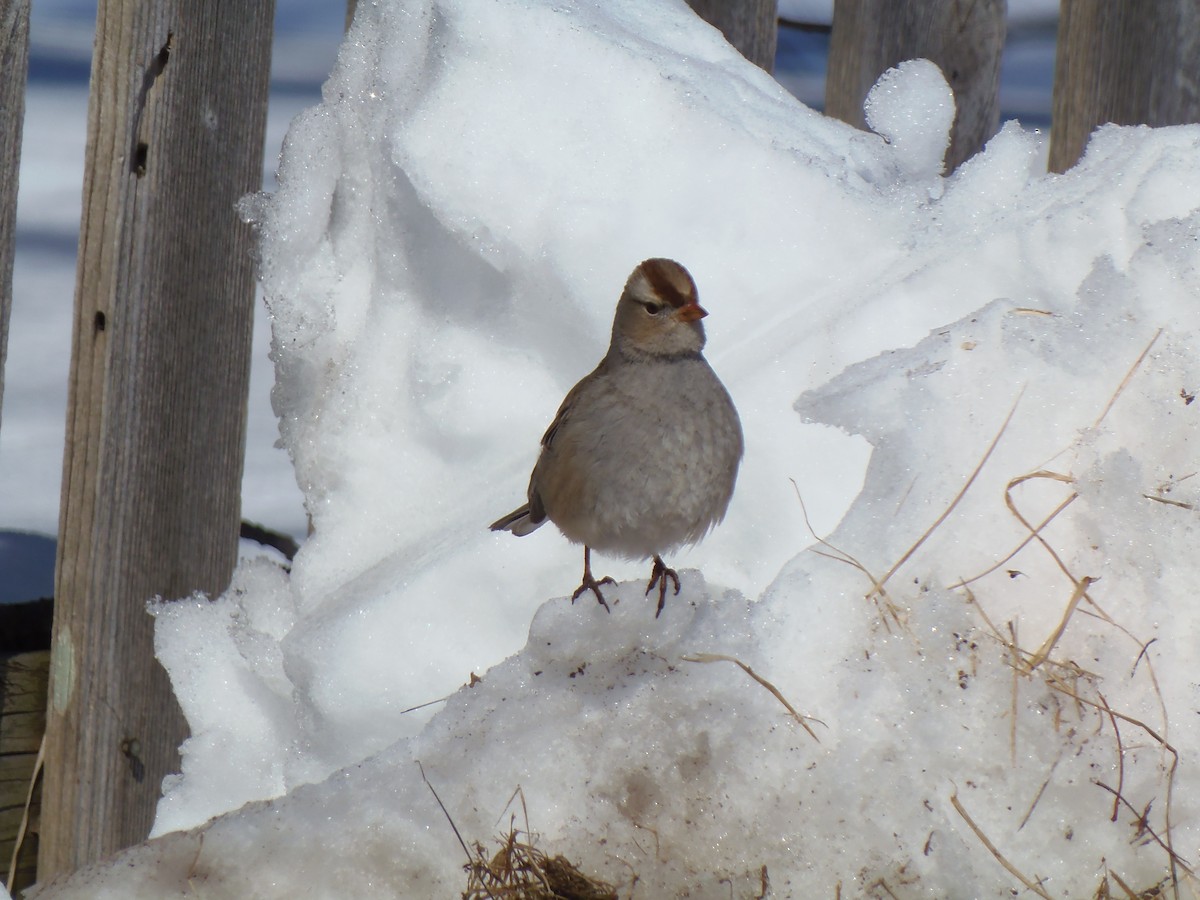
[[591, 584], [659, 576]]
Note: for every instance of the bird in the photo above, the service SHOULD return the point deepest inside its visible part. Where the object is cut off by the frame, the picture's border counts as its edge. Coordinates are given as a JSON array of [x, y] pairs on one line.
[[642, 457]]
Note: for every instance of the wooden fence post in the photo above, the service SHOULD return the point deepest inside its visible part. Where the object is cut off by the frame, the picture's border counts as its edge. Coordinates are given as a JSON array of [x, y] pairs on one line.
[[157, 396], [752, 26], [1128, 63], [14, 64], [963, 37]]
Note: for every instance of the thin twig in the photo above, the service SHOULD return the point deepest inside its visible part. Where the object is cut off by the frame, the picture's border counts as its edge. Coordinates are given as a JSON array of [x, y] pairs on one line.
[[834, 553], [1012, 870], [23, 830], [1141, 653], [445, 812], [1014, 650], [1038, 795], [958, 497], [1179, 503], [1048, 645], [1129, 892], [1128, 377], [1021, 546], [1120, 755], [721, 657], [1143, 824]]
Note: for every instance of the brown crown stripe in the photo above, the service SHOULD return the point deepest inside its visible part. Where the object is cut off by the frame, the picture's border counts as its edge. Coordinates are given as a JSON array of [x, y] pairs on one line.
[[670, 281]]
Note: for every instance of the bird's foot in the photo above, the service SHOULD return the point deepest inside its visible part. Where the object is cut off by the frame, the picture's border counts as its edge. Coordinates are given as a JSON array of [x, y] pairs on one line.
[[659, 575], [591, 584]]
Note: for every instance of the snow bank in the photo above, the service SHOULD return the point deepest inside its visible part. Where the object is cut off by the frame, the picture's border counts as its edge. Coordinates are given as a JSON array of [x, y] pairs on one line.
[[451, 230]]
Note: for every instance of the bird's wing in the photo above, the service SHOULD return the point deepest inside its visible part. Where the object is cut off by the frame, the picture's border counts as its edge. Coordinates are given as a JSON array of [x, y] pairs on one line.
[[569, 402]]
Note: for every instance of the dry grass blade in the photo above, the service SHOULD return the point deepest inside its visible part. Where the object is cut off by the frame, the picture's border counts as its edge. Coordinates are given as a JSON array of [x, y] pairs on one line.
[[1128, 377], [1012, 870], [445, 812], [1080, 592], [834, 553], [1015, 655], [1120, 755], [720, 657], [1044, 651], [1129, 892], [839, 555], [518, 870], [1176, 861], [962, 583], [957, 497], [1038, 796], [1043, 474], [24, 829], [1168, 502], [1140, 818]]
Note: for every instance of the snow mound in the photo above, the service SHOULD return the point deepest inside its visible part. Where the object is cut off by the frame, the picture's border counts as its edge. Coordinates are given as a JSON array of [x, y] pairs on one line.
[[981, 680]]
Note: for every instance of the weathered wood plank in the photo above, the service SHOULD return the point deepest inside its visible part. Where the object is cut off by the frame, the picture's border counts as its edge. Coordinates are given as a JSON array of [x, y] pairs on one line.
[[750, 25], [965, 38], [14, 65], [157, 396], [1128, 63]]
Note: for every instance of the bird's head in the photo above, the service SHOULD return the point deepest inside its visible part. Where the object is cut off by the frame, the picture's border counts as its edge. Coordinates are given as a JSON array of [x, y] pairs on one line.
[[658, 314]]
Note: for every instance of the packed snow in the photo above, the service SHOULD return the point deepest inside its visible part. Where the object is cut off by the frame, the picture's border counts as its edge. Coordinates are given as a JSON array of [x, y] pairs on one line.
[[976, 389]]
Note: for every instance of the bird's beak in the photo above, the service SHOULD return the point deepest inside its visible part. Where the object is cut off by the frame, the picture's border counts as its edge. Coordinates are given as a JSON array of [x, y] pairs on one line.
[[690, 312]]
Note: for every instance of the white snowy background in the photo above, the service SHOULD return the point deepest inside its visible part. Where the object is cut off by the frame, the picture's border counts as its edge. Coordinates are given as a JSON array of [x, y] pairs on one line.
[[981, 386]]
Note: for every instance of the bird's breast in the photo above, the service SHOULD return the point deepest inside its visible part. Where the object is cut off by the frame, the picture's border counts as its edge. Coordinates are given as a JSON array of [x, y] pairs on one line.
[[649, 461]]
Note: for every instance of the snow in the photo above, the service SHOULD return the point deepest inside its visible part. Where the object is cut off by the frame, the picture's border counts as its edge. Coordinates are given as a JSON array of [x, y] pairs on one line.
[[912, 108], [934, 364]]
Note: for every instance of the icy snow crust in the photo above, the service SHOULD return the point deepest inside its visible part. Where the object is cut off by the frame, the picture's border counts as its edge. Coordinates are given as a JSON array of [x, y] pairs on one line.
[[442, 259]]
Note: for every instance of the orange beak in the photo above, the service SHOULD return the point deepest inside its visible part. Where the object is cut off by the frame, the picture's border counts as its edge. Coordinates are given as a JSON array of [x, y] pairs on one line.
[[690, 312]]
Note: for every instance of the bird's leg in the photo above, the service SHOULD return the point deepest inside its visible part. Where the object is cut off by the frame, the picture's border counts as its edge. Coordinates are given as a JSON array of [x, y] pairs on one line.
[[591, 584], [659, 575]]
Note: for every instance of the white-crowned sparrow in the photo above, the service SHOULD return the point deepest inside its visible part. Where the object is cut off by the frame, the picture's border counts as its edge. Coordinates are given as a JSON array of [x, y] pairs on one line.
[[643, 454]]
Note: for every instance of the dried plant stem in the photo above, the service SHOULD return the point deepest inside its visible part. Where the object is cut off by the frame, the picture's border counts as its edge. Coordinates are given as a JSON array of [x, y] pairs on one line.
[[839, 555], [1120, 754], [1012, 870], [1175, 860], [1048, 645], [721, 657], [1123, 886], [1128, 377], [24, 827], [445, 812], [1016, 683], [1038, 795], [834, 553], [957, 497], [1021, 546]]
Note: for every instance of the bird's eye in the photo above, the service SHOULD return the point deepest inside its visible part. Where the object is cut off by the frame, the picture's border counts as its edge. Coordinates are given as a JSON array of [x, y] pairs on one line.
[[653, 308]]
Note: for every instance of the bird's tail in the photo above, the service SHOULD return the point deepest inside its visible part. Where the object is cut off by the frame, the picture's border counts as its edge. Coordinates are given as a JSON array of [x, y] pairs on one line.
[[520, 522]]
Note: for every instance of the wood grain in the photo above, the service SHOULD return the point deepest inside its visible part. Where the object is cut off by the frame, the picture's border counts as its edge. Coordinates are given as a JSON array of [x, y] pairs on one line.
[[964, 38], [751, 26], [157, 396], [14, 66], [1128, 63]]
